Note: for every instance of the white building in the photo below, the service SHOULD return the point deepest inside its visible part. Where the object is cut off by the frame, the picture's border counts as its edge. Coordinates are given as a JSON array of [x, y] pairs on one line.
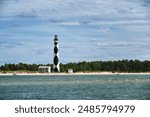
[[70, 71], [44, 69]]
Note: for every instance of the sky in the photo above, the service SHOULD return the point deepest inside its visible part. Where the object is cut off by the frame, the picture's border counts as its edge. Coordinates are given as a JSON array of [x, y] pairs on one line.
[[88, 30]]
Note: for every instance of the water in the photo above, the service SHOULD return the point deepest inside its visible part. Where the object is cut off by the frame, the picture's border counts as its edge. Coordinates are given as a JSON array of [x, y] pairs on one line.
[[87, 87]]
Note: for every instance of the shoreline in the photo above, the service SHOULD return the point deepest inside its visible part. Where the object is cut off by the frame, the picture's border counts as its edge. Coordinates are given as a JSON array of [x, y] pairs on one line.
[[77, 73]]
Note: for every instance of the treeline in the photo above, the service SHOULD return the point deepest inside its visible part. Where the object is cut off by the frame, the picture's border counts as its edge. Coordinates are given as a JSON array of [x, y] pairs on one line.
[[110, 66], [94, 66], [20, 67]]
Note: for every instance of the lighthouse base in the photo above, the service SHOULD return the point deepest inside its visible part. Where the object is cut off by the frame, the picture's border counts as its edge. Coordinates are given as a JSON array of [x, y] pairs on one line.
[[55, 69]]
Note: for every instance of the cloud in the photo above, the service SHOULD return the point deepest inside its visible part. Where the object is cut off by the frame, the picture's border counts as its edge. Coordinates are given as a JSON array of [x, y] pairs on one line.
[[20, 43], [70, 23], [4, 45], [1, 2], [110, 44], [73, 10], [32, 14], [40, 50], [10, 44], [146, 3], [120, 44], [138, 28], [3, 34], [104, 29], [122, 22], [111, 28]]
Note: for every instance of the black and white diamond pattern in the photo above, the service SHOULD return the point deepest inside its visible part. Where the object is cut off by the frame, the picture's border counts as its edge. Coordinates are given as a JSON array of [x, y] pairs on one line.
[[56, 67]]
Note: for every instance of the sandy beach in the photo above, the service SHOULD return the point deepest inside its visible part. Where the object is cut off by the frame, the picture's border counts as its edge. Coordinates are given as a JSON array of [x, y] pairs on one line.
[[77, 73]]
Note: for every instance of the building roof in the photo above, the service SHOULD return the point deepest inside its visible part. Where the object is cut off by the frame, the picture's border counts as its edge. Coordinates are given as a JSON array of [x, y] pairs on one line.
[[44, 66]]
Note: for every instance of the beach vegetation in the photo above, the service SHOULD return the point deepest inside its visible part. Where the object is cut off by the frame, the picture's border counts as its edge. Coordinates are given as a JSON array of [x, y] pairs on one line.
[[93, 66]]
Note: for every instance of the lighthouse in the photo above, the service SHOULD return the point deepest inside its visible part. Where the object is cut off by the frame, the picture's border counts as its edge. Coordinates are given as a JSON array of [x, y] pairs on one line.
[[56, 67]]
